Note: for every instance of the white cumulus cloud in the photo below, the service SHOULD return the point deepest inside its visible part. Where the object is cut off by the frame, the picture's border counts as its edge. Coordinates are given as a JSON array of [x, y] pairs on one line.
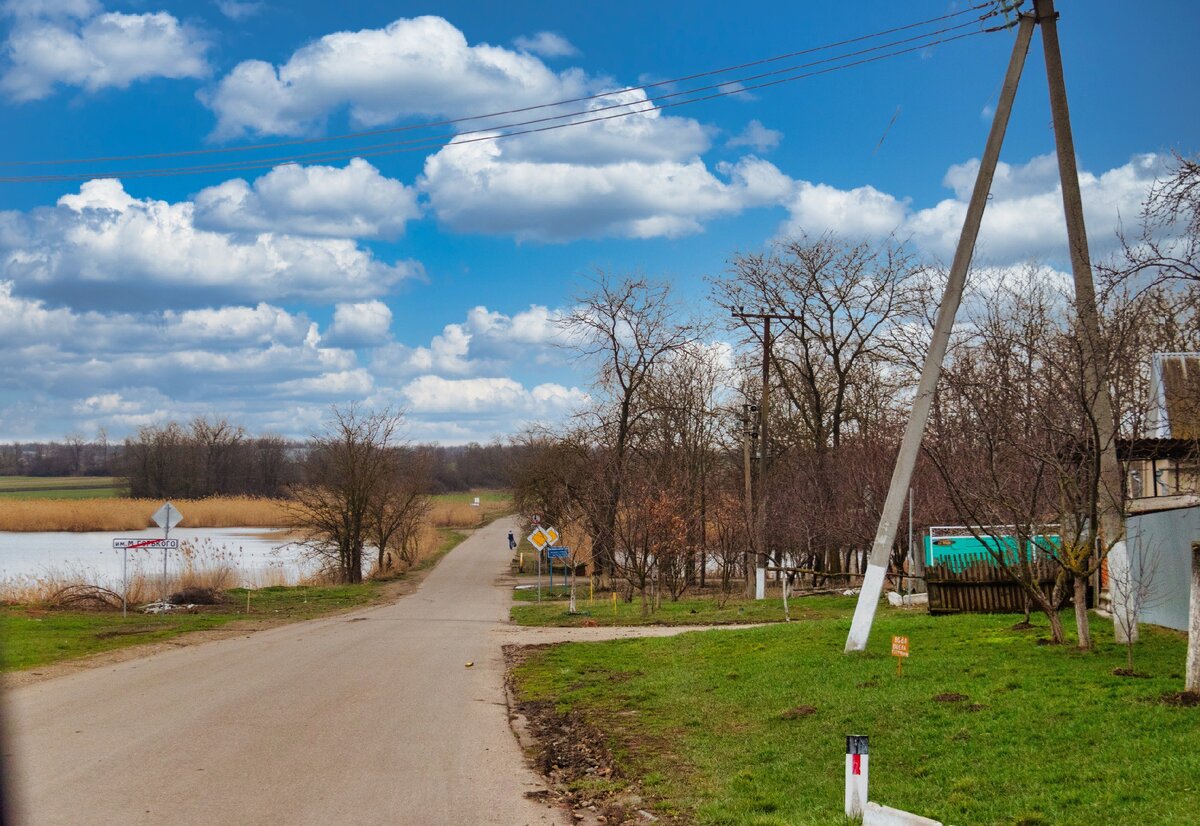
[[757, 137], [1023, 220], [419, 67], [354, 201], [101, 239], [70, 43], [356, 325], [546, 44], [497, 395], [476, 188]]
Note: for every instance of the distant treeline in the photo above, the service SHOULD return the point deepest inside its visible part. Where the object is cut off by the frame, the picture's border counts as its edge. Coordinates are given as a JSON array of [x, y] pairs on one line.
[[207, 458]]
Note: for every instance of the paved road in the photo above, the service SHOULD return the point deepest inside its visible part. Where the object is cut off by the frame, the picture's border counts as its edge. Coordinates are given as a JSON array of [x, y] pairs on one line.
[[369, 718]]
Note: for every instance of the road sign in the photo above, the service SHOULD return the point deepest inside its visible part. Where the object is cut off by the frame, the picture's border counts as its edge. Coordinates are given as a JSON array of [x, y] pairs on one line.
[[538, 539], [138, 542], [168, 516], [557, 552], [552, 535], [535, 519]]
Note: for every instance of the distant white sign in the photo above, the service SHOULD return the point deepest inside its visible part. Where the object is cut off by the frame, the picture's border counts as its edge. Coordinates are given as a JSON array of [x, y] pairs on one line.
[[168, 516], [170, 544]]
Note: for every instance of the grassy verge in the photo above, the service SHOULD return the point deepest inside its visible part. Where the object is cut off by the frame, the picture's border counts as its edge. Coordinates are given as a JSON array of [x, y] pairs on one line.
[[601, 609], [986, 725], [35, 636]]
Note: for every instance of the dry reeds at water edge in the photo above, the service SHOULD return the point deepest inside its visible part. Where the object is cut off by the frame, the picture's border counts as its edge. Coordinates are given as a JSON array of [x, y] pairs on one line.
[[201, 565], [134, 514]]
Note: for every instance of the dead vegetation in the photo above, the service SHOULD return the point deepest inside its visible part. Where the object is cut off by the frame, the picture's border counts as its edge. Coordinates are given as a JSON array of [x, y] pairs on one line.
[[75, 515]]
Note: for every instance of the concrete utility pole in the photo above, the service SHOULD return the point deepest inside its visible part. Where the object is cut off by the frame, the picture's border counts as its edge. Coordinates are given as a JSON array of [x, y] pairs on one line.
[[1111, 518], [881, 550], [760, 502]]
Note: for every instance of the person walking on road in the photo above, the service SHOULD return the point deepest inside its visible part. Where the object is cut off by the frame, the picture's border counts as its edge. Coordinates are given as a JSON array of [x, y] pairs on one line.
[[512, 543]]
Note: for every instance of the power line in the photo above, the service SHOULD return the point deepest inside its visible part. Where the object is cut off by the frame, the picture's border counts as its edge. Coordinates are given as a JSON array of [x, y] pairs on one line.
[[474, 136], [519, 110], [428, 142]]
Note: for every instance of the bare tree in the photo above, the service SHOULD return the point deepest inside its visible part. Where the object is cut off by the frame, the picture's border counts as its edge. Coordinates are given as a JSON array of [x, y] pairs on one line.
[[350, 463], [1167, 247], [625, 328], [1133, 575], [398, 508]]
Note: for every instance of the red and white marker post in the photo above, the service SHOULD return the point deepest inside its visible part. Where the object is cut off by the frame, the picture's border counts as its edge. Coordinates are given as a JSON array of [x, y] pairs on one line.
[[856, 775]]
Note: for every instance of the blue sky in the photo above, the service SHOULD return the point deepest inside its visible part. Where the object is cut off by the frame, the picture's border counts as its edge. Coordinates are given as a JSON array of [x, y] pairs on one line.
[[430, 280]]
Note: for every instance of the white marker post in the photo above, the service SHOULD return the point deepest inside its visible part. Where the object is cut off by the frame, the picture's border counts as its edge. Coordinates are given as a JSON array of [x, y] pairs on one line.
[[856, 775]]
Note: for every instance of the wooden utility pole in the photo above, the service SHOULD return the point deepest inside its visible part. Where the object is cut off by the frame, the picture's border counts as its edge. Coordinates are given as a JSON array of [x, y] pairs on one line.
[[760, 501], [889, 519], [748, 499], [1095, 358]]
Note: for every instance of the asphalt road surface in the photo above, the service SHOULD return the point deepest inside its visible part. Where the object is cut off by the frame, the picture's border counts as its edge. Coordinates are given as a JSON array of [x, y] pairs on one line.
[[364, 718]]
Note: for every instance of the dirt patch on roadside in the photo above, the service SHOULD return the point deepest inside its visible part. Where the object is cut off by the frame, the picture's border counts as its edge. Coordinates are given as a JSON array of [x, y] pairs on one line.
[[389, 592], [1186, 699], [570, 753]]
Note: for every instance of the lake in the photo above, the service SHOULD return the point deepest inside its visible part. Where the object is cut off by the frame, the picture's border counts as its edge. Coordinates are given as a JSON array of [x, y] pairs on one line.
[[255, 553]]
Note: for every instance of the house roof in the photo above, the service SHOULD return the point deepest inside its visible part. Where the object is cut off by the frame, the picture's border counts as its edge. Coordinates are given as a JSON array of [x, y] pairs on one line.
[[1175, 385]]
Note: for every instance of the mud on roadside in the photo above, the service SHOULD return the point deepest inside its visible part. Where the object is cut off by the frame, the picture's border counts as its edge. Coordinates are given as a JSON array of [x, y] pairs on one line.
[[573, 757]]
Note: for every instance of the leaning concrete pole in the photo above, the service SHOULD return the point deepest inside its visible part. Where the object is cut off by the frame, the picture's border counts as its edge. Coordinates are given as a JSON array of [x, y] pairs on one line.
[[1112, 528], [889, 520]]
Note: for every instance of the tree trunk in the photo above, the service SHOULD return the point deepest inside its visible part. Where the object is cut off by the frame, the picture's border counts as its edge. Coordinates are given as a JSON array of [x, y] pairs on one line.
[[1082, 628]]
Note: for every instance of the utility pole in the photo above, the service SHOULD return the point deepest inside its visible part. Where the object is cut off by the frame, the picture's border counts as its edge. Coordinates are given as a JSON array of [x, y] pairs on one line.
[[764, 407], [889, 519], [1112, 528], [748, 434]]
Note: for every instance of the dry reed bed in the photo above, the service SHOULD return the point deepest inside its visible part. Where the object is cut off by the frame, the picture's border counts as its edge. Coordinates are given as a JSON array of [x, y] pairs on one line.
[[134, 514], [214, 512]]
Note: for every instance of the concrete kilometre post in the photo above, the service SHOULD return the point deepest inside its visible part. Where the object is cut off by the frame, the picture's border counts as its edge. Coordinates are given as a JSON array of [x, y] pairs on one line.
[[856, 775]]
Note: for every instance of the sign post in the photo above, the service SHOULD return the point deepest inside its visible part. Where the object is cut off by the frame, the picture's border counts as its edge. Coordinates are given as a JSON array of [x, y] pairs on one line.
[[554, 552], [166, 517], [900, 652], [540, 539], [125, 545]]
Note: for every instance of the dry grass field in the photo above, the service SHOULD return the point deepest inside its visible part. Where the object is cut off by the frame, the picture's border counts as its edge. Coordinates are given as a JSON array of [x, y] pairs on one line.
[[134, 514], [449, 511]]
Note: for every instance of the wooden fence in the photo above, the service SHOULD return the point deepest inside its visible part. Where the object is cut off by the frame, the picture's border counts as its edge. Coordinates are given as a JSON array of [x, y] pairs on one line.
[[970, 585]]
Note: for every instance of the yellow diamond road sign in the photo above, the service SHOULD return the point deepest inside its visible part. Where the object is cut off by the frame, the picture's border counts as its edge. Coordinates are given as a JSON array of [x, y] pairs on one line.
[[539, 539], [552, 535]]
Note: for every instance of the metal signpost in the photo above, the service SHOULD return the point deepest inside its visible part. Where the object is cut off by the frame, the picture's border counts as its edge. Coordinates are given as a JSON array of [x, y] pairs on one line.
[[125, 545], [554, 552], [166, 517], [539, 539]]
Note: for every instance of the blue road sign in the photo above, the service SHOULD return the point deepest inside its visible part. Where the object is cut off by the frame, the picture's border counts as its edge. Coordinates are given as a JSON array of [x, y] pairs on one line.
[[557, 552]]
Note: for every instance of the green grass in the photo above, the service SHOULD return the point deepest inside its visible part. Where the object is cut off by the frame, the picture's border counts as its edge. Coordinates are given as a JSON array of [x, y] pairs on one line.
[[61, 487], [703, 611], [1048, 735], [33, 637], [465, 497]]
